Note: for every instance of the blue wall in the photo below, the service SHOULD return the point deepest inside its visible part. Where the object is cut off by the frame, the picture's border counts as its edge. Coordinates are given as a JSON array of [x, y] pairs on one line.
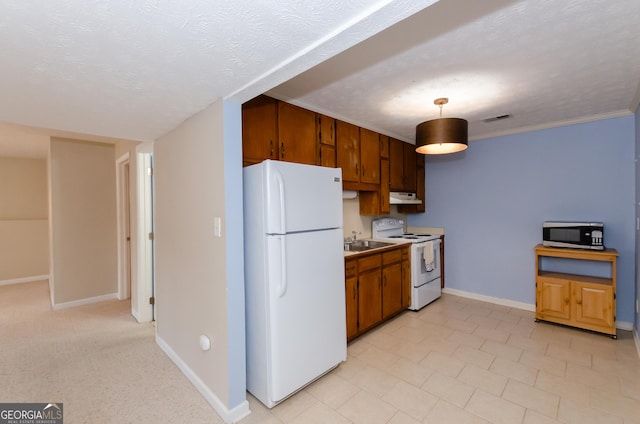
[[493, 198]]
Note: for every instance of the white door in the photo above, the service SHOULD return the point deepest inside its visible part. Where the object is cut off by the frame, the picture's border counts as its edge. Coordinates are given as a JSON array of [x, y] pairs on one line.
[[306, 304]]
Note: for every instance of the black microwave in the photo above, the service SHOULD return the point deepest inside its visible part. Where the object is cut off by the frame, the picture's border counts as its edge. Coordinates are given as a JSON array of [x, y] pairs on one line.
[[576, 235]]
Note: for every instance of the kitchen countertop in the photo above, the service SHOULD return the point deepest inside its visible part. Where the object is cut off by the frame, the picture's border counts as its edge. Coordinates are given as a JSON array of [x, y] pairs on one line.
[[378, 249]]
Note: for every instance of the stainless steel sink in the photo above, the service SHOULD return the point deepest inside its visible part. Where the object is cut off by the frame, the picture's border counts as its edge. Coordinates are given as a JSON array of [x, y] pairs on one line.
[[363, 245]]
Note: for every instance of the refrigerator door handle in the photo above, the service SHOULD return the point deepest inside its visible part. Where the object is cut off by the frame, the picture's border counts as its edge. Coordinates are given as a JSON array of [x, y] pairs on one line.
[[281, 199], [282, 288]]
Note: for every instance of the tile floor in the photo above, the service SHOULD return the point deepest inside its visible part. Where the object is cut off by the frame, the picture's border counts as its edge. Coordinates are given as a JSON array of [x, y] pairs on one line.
[[464, 361]]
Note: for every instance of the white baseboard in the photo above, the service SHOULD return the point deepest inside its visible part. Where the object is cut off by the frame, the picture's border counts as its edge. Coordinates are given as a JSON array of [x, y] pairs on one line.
[[229, 416], [135, 314], [24, 280], [87, 301], [622, 325], [636, 337], [491, 299]]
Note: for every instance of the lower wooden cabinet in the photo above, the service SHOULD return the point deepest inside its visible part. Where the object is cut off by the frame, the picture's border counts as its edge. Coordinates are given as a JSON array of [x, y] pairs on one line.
[[554, 298], [351, 296], [582, 301], [391, 283], [375, 288]]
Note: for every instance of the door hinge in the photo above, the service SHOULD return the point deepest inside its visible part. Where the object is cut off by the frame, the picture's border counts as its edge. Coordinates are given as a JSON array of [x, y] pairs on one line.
[[150, 171], [151, 236], [152, 300]]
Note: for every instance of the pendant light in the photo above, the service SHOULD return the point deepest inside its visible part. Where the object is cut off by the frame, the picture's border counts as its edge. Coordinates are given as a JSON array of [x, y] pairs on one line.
[[442, 135]]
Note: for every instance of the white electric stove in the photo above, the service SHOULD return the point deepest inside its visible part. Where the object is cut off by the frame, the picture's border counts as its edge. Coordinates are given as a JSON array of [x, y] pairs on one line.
[[425, 265]]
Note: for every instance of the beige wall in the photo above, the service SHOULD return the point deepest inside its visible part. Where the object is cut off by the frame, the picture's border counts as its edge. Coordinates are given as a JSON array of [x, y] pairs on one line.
[[24, 242], [191, 262], [353, 221], [83, 220]]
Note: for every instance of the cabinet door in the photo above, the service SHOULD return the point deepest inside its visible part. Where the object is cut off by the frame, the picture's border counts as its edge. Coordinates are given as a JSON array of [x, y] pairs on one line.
[[326, 127], [406, 278], [384, 146], [327, 156], [409, 157], [384, 186], [259, 130], [369, 299], [553, 298], [593, 304], [391, 289], [420, 190], [348, 151], [369, 156], [351, 296], [396, 164], [297, 134]]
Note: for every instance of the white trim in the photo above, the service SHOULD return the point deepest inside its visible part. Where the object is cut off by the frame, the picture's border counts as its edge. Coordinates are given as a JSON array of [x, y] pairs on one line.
[[491, 299], [124, 283], [24, 280], [229, 416], [135, 315], [143, 287], [87, 301], [622, 325], [636, 338]]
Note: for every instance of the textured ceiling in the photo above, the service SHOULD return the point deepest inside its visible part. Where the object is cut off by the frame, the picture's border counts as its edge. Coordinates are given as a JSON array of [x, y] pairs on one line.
[[137, 69], [545, 62]]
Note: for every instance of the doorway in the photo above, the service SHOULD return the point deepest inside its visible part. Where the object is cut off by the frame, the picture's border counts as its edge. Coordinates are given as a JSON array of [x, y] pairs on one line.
[[123, 176]]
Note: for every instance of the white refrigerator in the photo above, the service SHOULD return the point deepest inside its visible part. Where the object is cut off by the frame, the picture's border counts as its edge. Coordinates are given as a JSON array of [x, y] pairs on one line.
[[294, 276]]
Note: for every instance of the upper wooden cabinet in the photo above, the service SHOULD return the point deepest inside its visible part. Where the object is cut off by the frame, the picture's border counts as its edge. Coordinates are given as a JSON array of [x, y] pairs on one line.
[[369, 156], [259, 130], [420, 188], [371, 163], [348, 151], [326, 127], [296, 134], [409, 166], [384, 147], [402, 159], [396, 165], [358, 154]]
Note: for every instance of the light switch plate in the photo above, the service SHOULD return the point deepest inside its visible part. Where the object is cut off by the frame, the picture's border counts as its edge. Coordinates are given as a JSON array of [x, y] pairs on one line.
[[217, 226]]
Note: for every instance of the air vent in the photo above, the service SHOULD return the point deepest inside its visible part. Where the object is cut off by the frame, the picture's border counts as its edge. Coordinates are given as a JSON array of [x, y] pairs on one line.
[[497, 118]]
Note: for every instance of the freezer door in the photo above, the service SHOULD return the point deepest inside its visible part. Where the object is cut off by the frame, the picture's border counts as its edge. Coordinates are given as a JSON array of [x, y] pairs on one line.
[[301, 197], [306, 309]]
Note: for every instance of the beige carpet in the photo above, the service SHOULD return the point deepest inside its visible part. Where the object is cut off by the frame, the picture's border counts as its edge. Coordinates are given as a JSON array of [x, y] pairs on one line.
[[95, 359]]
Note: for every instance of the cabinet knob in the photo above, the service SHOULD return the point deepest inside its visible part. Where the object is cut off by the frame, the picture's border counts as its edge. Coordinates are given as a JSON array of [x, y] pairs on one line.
[[566, 300], [579, 301]]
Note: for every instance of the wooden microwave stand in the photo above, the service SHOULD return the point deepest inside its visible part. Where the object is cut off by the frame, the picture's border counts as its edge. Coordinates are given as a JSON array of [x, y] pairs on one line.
[[581, 301]]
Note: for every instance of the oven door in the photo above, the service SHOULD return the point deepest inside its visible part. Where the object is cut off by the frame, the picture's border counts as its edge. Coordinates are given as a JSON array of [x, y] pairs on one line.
[[421, 272]]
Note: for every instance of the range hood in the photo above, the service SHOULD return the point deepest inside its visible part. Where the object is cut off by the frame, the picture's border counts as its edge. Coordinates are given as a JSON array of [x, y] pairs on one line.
[[402, 198]]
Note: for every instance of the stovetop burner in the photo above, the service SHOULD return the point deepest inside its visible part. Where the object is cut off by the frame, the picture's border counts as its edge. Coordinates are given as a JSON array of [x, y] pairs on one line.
[[392, 228]]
